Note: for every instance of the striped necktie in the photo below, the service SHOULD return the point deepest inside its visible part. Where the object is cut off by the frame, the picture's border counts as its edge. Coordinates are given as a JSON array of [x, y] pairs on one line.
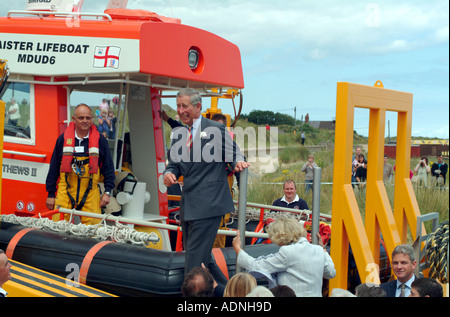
[[189, 139], [402, 291]]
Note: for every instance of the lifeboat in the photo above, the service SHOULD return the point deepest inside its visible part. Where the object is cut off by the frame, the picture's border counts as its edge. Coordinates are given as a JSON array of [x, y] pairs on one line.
[[118, 268], [58, 58]]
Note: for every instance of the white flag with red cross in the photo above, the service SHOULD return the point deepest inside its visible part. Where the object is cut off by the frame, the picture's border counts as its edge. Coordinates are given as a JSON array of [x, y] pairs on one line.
[[106, 56]]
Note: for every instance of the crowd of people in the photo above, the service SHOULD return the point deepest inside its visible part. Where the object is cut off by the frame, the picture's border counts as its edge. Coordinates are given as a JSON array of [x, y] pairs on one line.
[[299, 281], [423, 174], [298, 267], [295, 275], [106, 119]]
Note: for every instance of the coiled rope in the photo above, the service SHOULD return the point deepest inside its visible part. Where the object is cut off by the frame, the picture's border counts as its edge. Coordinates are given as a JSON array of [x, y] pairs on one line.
[[437, 249], [118, 232], [255, 215]]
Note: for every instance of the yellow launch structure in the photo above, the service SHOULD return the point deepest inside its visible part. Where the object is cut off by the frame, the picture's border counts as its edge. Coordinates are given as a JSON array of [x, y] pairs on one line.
[[231, 94], [347, 223]]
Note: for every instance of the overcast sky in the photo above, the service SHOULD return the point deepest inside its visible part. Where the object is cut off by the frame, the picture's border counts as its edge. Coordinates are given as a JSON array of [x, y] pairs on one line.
[[294, 52]]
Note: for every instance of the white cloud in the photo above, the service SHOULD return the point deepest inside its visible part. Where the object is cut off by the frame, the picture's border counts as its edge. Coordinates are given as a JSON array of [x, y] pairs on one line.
[[318, 27], [404, 43], [441, 35], [317, 30], [318, 54]]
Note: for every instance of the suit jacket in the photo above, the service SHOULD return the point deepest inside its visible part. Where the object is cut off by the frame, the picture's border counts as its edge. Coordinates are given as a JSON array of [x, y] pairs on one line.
[[205, 191], [391, 287]]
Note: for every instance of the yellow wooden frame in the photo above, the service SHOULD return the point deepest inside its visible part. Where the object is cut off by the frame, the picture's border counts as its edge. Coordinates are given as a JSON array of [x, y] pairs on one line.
[[347, 224]]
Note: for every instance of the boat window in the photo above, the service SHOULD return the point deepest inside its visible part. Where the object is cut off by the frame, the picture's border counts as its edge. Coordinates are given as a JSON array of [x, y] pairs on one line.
[[108, 111], [19, 113], [105, 108]]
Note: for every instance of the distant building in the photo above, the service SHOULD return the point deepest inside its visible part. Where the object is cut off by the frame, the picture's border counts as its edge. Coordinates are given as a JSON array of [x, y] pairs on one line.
[[429, 148], [327, 125]]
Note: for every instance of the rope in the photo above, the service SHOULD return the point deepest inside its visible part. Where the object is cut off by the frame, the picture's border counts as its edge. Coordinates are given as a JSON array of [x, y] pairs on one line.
[[437, 248], [119, 232], [255, 215]]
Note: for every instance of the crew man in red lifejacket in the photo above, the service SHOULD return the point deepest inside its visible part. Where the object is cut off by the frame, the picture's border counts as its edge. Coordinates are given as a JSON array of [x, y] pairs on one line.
[[80, 156]]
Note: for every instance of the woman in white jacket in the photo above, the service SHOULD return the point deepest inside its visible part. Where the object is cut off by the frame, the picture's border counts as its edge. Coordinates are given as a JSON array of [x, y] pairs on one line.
[[297, 264], [422, 171]]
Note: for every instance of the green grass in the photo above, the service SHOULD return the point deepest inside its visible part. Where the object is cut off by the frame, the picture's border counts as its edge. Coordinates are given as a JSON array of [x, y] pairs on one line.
[[292, 155], [268, 187]]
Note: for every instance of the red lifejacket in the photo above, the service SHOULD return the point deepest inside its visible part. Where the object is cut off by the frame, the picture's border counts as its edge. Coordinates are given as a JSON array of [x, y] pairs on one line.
[[69, 147]]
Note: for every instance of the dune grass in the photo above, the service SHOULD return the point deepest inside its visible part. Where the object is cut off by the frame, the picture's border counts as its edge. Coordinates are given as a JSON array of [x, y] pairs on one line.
[[265, 188], [268, 187]]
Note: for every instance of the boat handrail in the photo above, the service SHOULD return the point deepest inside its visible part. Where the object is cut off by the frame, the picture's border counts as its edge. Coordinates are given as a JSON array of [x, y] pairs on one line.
[[41, 14], [101, 79], [271, 207], [153, 224], [25, 154]]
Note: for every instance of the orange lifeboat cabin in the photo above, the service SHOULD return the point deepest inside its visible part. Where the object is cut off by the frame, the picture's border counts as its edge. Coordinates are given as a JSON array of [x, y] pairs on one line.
[[136, 55]]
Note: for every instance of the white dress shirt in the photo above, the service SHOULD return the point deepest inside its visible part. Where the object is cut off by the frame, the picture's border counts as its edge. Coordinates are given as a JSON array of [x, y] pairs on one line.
[[195, 127], [407, 287]]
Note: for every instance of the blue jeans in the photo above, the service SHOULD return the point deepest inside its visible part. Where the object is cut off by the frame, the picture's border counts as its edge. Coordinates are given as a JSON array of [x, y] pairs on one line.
[[308, 185]]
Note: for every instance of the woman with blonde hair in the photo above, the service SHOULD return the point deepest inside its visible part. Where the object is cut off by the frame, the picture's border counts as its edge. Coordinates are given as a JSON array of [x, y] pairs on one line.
[[298, 264], [240, 285]]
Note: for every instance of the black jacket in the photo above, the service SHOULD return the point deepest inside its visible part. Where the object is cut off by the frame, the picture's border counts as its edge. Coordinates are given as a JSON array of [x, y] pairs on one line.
[[105, 163]]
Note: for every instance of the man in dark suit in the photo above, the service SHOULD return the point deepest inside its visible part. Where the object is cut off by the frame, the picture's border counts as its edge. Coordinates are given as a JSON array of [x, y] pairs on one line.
[[202, 161], [403, 265]]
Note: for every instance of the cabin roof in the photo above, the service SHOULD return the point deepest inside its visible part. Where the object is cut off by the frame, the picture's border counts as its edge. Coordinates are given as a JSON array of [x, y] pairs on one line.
[[150, 52]]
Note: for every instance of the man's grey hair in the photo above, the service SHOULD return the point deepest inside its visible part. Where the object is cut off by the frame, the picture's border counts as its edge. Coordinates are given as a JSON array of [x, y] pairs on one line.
[[404, 249], [194, 95]]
